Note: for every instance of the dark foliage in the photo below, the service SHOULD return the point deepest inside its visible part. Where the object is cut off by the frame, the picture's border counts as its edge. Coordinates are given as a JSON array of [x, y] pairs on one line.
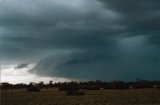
[[90, 85], [69, 86], [119, 85], [33, 89], [6, 85], [158, 87], [75, 93]]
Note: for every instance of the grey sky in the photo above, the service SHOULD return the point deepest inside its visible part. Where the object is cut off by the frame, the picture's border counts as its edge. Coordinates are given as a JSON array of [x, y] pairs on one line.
[[82, 39]]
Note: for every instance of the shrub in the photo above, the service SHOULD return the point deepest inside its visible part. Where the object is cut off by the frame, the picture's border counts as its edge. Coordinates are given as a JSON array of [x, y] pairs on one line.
[[158, 87], [33, 89], [75, 93], [68, 88], [92, 88], [119, 85]]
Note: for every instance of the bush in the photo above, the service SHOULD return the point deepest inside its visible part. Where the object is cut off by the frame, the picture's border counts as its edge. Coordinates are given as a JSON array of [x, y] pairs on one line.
[[158, 87], [92, 88], [68, 88], [33, 89], [75, 93], [119, 85]]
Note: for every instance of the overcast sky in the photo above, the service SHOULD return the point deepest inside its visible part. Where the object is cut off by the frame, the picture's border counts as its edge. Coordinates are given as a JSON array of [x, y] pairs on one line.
[[79, 40]]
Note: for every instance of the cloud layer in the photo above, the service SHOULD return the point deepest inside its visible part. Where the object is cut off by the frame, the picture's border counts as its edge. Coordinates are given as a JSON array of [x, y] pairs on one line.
[[93, 39]]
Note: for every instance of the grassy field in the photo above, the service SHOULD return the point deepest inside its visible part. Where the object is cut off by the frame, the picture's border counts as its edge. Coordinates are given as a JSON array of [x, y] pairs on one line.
[[99, 97]]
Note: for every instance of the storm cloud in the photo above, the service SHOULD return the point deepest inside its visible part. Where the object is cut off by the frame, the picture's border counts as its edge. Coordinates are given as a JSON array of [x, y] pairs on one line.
[[83, 39], [21, 66]]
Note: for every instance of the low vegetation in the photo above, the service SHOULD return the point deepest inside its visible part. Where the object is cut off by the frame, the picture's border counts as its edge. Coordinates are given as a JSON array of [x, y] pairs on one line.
[[33, 89], [82, 93], [91, 97], [90, 85], [75, 93]]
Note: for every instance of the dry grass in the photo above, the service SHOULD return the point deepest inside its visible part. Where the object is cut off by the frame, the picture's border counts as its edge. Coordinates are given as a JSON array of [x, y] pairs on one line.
[[99, 97]]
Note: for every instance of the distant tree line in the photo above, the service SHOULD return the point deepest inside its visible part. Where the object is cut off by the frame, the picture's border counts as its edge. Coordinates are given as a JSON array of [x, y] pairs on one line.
[[90, 85]]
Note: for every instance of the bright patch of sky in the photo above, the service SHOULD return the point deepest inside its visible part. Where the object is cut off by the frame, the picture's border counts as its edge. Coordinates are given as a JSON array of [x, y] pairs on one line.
[[9, 73]]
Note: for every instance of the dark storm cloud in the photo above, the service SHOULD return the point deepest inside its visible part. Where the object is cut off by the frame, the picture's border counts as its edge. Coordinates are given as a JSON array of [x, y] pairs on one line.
[[93, 39], [21, 66], [140, 16], [105, 65], [32, 25]]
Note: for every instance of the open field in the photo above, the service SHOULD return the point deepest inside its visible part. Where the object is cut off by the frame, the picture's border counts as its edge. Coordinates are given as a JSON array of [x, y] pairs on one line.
[[92, 97]]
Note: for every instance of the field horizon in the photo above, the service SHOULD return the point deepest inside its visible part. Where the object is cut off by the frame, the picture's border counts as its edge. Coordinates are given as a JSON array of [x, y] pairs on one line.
[[91, 97], [82, 93]]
